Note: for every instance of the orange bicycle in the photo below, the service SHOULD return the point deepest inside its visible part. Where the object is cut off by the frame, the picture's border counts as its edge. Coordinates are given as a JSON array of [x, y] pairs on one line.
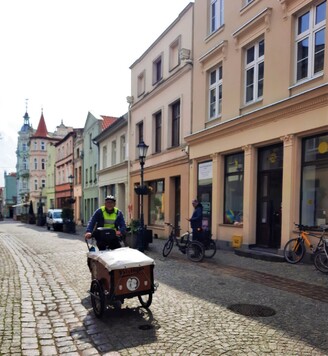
[[295, 248]]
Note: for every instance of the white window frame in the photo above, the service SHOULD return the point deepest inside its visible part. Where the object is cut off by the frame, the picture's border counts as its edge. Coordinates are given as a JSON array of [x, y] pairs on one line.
[[104, 157], [113, 152], [123, 148], [157, 77], [216, 15], [216, 88], [258, 59], [309, 35]]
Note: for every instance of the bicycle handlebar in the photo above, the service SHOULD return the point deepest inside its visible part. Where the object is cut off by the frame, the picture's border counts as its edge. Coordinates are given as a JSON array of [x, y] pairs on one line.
[[301, 227]]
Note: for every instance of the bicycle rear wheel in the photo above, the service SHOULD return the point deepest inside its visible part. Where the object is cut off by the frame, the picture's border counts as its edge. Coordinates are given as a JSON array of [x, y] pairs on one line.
[[294, 250], [168, 247], [321, 261], [210, 249], [195, 251]]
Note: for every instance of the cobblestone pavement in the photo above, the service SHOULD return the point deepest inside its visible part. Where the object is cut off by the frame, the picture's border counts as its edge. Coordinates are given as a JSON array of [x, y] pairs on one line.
[[45, 308]]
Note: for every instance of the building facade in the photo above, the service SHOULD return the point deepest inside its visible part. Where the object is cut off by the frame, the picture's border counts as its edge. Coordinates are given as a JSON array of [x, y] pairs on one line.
[[113, 164], [259, 142], [160, 116]]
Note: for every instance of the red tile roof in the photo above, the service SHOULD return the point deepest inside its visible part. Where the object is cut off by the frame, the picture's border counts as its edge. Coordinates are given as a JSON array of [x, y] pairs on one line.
[[107, 121], [41, 131]]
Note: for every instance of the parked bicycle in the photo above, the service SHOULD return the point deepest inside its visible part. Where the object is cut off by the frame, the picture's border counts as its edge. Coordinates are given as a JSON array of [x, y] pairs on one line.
[[295, 248], [193, 249], [321, 258], [206, 241]]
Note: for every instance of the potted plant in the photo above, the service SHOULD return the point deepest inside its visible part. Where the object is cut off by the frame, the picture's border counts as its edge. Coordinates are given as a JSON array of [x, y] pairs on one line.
[[68, 220]]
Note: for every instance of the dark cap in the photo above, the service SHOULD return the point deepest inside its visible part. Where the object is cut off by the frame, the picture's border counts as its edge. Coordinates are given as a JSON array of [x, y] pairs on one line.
[[110, 197]]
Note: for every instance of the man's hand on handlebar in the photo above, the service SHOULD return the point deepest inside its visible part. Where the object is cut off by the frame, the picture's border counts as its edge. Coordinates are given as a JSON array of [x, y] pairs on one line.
[[87, 235]]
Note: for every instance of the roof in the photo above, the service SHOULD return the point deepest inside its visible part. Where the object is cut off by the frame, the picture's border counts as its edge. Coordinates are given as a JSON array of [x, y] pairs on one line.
[[41, 131], [107, 121]]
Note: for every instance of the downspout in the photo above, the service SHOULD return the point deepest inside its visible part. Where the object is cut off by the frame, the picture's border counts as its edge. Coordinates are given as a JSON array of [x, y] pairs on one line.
[[129, 100]]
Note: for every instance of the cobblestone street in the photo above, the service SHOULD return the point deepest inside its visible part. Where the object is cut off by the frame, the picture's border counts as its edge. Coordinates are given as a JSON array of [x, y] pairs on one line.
[[45, 307]]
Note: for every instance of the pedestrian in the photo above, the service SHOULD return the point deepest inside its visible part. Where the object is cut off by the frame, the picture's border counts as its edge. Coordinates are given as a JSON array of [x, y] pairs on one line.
[[107, 216], [196, 220]]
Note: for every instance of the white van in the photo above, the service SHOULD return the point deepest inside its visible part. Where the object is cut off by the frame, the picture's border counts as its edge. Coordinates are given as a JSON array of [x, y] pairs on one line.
[[54, 219]]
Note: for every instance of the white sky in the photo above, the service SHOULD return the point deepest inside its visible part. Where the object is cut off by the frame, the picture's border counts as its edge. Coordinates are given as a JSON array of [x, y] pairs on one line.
[[69, 57]]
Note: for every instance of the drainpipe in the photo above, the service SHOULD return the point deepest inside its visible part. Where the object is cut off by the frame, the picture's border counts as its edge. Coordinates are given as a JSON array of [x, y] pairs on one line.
[[129, 100]]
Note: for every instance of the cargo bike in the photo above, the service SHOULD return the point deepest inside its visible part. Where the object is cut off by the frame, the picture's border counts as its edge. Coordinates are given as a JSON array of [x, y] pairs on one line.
[[118, 274]]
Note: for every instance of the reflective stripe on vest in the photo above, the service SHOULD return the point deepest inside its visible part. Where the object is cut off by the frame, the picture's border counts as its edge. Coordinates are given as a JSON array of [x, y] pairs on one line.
[[109, 219]]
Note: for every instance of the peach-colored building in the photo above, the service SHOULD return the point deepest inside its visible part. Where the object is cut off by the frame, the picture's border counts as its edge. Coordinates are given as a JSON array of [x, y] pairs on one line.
[[160, 115], [259, 142]]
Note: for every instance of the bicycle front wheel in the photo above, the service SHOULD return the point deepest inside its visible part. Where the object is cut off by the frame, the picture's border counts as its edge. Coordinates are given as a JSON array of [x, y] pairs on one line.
[[294, 250], [210, 249], [321, 261], [195, 251], [168, 247]]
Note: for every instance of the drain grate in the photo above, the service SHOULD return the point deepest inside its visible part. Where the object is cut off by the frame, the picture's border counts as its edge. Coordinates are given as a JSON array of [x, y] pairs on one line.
[[145, 327], [252, 310]]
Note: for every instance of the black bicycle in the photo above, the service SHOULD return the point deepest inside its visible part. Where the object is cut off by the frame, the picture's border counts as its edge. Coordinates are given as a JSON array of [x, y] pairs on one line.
[[193, 249]]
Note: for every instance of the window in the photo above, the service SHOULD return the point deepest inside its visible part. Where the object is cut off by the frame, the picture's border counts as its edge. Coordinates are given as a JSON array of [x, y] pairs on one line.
[[24, 147], [43, 146], [176, 124], [35, 145], [174, 54], [122, 148], [215, 92], [158, 131], [104, 157], [310, 42], [35, 163], [157, 70], [24, 164], [43, 183], [43, 163], [314, 188], [86, 176], [216, 15], [90, 141], [90, 175], [156, 202], [233, 188], [254, 71], [95, 173], [140, 132], [113, 152], [141, 84], [35, 184]]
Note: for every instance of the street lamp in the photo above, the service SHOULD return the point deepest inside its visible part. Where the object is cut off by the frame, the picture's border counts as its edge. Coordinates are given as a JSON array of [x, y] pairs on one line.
[[70, 181], [70, 218], [142, 147]]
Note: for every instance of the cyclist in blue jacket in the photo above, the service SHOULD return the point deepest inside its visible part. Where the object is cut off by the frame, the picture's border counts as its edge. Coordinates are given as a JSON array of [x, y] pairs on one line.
[[196, 220], [107, 216]]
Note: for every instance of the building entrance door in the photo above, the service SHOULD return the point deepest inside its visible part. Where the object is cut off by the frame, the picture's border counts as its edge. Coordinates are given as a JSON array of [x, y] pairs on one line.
[[269, 197]]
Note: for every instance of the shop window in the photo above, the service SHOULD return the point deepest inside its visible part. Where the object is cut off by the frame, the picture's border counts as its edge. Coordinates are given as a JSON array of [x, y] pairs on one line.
[[314, 188], [233, 189], [156, 202]]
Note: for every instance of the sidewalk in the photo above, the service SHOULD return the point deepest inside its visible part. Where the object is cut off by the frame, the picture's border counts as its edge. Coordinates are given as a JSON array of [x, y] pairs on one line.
[[301, 272]]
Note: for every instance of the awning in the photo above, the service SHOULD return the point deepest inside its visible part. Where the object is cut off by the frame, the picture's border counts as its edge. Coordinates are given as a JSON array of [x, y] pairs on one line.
[[23, 204]]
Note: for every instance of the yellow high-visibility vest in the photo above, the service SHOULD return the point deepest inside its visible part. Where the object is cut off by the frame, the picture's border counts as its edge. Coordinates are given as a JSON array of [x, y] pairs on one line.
[[109, 219]]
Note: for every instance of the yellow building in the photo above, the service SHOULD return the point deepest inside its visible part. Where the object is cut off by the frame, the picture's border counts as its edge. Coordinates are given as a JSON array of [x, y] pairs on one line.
[[160, 116], [259, 142]]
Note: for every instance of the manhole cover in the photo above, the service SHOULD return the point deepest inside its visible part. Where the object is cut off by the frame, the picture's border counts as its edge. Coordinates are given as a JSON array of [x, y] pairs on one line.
[[252, 310], [145, 327]]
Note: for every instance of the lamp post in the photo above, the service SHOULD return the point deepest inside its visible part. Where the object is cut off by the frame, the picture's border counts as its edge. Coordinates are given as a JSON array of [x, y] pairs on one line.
[[71, 224], [142, 147]]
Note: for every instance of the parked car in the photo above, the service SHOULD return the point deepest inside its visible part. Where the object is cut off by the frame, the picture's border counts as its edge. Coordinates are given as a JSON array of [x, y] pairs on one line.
[[54, 219]]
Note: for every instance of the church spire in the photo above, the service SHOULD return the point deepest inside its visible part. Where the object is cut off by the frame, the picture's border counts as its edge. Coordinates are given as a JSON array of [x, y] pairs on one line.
[[41, 131], [26, 117]]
